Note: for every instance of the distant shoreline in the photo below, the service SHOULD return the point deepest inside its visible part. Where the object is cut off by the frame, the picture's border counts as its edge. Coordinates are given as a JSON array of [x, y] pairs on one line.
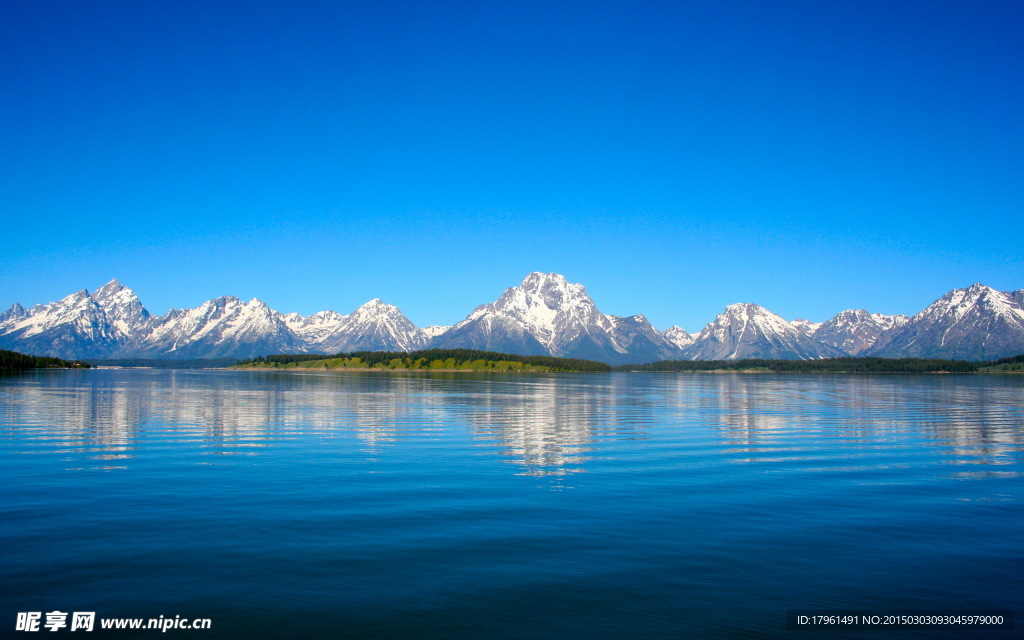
[[458, 360], [383, 370], [294, 369]]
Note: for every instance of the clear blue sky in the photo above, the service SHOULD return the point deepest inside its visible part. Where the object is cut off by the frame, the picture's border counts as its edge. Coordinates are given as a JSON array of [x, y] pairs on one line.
[[674, 157]]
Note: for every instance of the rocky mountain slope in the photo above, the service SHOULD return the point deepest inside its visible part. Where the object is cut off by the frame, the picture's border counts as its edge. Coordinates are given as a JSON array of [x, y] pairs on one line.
[[222, 327], [750, 331], [77, 326], [976, 323], [678, 336], [855, 330], [112, 323]]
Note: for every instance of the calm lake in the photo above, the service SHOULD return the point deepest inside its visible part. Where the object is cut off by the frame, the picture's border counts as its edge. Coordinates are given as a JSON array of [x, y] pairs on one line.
[[417, 505]]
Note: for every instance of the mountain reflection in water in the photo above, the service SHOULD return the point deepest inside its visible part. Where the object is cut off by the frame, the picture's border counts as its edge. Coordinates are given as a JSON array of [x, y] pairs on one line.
[[462, 506], [543, 424]]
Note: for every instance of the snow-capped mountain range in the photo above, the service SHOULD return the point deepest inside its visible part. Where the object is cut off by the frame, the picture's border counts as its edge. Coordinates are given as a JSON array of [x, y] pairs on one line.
[[543, 315], [750, 331], [976, 323]]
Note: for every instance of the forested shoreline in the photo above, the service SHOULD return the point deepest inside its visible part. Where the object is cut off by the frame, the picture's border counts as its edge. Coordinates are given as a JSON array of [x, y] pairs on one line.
[[426, 359], [475, 360], [15, 360]]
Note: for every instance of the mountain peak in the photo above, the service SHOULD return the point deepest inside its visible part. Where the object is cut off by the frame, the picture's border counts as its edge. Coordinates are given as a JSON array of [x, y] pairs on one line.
[[75, 297], [745, 309], [975, 323], [376, 307], [539, 277], [678, 336], [541, 283], [16, 311], [375, 325], [973, 293], [544, 303], [805, 326], [746, 330], [113, 291], [546, 314], [854, 331], [741, 306]]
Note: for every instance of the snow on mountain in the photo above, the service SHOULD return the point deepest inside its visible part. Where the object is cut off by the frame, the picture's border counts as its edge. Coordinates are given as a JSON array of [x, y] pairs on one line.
[[534, 318], [678, 336], [544, 312], [855, 330], [222, 327], [976, 323], [435, 330], [750, 331], [44, 317], [641, 341], [374, 326], [123, 309], [73, 327], [805, 327], [112, 322], [15, 312], [547, 315], [314, 329], [544, 315], [78, 326]]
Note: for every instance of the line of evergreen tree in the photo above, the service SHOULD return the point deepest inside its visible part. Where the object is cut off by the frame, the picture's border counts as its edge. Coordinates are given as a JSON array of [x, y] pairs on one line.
[[15, 360], [1011, 360], [459, 355], [1013, 364]]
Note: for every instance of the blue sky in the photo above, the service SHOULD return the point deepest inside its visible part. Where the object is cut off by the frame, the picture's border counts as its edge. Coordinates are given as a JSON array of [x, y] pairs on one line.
[[674, 157]]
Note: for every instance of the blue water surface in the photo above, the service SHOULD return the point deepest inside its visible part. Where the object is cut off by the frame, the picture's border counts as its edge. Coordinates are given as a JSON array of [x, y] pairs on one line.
[[458, 505]]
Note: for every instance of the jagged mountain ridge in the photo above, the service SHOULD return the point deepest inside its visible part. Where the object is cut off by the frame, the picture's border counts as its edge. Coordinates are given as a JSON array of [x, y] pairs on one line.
[[543, 315], [382, 326], [747, 330], [855, 330], [805, 327], [679, 336], [974, 323], [112, 323], [222, 327], [79, 325]]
